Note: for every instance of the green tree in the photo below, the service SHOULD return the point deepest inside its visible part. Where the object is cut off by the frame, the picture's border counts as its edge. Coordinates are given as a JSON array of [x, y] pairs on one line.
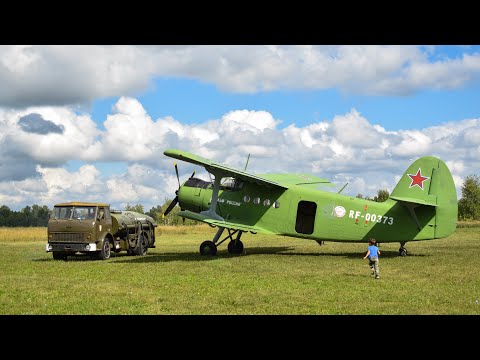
[[171, 218], [137, 208], [39, 215], [381, 196], [469, 204], [155, 212], [34, 215], [5, 213]]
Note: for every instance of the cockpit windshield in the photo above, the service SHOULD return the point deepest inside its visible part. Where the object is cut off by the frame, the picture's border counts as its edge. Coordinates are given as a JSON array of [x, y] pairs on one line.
[[197, 183], [74, 212]]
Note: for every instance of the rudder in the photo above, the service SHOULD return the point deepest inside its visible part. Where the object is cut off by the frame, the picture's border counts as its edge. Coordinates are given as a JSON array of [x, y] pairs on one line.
[[428, 182]]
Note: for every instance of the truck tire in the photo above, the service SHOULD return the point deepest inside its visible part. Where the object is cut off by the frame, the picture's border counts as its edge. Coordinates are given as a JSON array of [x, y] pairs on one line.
[[106, 251], [142, 246], [59, 255]]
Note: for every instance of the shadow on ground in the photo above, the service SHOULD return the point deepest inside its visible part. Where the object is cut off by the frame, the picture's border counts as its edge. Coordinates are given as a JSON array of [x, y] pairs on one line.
[[279, 250], [222, 254]]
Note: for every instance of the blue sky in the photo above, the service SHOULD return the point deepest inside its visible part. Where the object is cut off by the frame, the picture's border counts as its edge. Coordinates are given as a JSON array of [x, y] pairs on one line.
[[105, 114], [191, 101]]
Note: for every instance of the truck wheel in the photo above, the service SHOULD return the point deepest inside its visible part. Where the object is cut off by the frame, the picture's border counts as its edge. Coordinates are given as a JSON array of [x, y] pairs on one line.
[[104, 254], [59, 255], [142, 246]]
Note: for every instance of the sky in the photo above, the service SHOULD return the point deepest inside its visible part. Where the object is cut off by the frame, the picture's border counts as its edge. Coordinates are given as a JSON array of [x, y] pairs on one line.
[[91, 122]]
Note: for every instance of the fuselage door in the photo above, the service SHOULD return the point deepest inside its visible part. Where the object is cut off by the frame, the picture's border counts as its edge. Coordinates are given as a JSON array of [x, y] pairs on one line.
[[305, 221]]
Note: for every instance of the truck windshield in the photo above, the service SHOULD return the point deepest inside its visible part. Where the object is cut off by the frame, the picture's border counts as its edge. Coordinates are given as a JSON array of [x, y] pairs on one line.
[[78, 212]]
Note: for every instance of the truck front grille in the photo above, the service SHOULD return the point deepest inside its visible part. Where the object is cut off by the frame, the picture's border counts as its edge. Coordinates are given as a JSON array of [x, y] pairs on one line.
[[67, 237]]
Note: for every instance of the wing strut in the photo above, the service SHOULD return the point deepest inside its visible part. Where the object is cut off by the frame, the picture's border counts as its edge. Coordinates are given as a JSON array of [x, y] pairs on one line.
[[213, 205]]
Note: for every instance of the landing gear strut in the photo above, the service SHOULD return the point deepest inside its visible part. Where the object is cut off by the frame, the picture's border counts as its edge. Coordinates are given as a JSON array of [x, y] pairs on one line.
[[234, 246], [402, 251]]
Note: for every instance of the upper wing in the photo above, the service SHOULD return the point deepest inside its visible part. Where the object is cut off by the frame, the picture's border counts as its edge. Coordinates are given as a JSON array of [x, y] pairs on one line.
[[213, 167], [299, 180], [226, 224]]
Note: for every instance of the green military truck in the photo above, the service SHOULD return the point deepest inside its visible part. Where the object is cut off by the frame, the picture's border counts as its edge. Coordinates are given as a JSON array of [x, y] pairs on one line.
[[95, 229]]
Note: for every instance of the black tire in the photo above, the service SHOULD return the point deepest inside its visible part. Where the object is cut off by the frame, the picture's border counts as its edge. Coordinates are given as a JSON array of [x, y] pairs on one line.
[[235, 247], [59, 255], [208, 248], [142, 246], [403, 252], [106, 251]]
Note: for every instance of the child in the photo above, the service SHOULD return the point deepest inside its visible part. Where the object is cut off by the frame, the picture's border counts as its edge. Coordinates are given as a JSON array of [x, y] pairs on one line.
[[372, 255]]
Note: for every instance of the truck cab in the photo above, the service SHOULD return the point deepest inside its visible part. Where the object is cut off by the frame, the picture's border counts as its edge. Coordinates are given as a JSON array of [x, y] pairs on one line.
[[93, 228]]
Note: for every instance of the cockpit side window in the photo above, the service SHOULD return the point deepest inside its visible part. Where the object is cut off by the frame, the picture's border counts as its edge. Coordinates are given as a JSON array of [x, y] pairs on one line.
[[232, 184]]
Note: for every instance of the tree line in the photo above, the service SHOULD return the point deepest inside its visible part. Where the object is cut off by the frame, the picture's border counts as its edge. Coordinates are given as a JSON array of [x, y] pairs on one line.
[[36, 215]]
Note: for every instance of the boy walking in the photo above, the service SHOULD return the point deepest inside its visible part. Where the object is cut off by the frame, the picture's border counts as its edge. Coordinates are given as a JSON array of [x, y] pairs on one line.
[[372, 255]]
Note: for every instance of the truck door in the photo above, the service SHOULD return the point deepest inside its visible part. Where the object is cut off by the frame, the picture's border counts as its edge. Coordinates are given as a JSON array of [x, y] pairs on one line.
[[104, 222]]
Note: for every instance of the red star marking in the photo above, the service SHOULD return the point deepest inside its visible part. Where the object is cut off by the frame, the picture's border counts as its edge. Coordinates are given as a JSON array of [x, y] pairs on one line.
[[418, 179]]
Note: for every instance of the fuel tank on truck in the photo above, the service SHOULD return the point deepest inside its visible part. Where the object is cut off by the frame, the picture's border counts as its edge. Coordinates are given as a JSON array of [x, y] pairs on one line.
[[130, 219]]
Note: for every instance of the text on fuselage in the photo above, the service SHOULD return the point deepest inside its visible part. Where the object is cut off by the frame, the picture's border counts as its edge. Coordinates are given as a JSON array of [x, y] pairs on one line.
[[371, 217]]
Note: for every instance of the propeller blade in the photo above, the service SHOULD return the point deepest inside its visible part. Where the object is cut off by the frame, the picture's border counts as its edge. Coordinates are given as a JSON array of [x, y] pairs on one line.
[[178, 177], [171, 206]]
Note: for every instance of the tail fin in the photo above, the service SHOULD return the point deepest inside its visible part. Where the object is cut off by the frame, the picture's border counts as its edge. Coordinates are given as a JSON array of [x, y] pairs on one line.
[[428, 182]]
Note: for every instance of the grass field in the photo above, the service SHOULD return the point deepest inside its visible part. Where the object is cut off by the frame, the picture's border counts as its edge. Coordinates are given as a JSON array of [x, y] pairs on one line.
[[277, 275]]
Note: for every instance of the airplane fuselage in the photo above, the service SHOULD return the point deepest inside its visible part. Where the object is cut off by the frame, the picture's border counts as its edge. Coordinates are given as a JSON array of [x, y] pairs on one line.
[[303, 212]]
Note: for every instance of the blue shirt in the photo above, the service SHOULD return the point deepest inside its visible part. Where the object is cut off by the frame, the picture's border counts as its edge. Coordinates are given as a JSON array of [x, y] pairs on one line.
[[373, 251]]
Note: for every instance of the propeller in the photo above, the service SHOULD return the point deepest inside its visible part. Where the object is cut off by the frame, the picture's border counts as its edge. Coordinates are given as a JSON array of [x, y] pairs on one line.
[[175, 200]]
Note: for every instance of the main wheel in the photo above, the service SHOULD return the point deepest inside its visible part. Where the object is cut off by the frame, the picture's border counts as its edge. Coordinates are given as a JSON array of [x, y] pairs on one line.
[[235, 247], [402, 251], [105, 253], [59, 255], [208, 248], [142, 246]]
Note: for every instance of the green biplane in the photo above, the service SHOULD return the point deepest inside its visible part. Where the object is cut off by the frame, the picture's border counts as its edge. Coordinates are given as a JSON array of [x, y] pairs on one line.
[[422, 206]]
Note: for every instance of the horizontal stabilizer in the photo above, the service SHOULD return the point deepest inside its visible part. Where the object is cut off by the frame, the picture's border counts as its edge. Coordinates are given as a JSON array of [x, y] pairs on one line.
[[415, 200]]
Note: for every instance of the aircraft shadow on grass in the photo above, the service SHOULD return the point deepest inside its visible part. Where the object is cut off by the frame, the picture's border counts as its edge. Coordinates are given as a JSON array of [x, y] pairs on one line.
[[193, 256], [279, 250]]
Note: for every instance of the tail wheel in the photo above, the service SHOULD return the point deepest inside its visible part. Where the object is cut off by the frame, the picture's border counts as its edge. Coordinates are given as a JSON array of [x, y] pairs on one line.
[[208, 248], [106, 251]]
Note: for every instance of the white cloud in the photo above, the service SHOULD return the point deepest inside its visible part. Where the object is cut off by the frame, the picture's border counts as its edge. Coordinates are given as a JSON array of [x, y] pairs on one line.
[[33, 75], [347, 148]]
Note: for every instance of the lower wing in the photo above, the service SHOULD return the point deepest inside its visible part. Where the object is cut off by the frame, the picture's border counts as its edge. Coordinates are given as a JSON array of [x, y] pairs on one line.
[[225, 224]]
